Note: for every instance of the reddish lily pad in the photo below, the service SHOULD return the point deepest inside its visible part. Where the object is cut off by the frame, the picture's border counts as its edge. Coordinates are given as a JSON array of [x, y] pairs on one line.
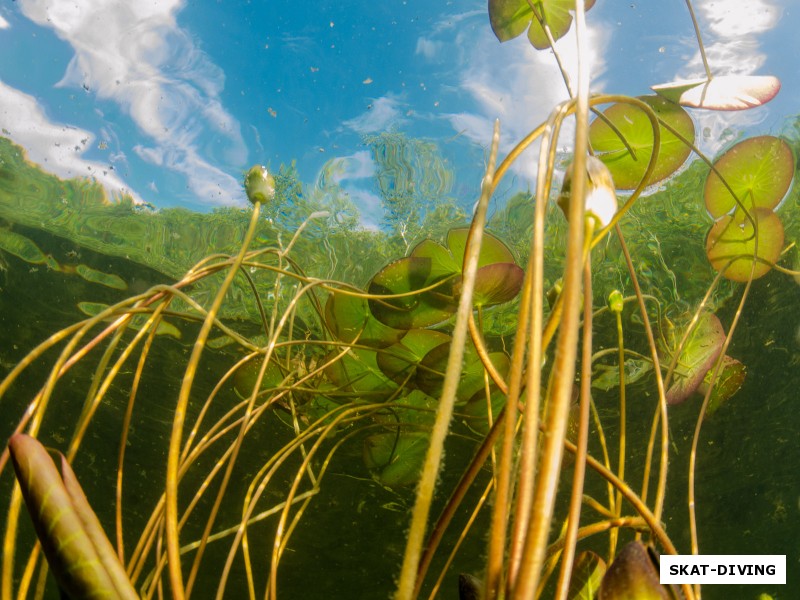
[[627, 171], [759, 170], [731, 244], [509, 18], [699, 353], [495, 284], [725, 92]]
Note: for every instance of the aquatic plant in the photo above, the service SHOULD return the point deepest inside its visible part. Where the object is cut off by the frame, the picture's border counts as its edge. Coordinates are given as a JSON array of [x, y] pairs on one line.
[[271, 381]]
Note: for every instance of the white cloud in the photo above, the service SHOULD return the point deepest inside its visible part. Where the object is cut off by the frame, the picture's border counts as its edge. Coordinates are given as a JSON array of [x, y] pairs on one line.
[[384, 113], [134, 54], [521, 94], [3, 23], [59, 148]]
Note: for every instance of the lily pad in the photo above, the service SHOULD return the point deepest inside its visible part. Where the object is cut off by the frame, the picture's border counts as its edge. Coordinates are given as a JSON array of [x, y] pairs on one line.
[[107, 279], [729, 381], [606, 377], [759, 170], [349, 319], [492, 249], [509, 18], [494, 284], [395, 460], [357, 371], [699, 353], [632, 123], [406, 276], [725, 92], [21, 247], [399, 361], [731, 241], [244, 380], [430, 375]]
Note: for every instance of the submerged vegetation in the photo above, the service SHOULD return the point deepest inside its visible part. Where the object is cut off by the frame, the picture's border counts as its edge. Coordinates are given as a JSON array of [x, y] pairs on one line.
[[283, 364]]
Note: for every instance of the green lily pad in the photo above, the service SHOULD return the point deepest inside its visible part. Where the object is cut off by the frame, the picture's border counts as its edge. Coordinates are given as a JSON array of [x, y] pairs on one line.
[[415, 310], [358, 372], [724, 92], [729, 381], [732, 239], [634, 125], [698, 355], [509, 18], [606, 377], [399, 361], [476, 411], [395, 460], [759, 170], [244, 380], [349, 319], [492, 249], [430, 374], [21, 247], [107, 279]]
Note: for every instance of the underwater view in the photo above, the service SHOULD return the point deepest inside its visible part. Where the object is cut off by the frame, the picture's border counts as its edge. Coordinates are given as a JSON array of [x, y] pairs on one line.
[[412, 299]]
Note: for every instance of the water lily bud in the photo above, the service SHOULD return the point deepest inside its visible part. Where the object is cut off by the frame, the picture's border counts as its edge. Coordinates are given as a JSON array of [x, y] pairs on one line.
[[601, 199], [615, 301], [259, 184]]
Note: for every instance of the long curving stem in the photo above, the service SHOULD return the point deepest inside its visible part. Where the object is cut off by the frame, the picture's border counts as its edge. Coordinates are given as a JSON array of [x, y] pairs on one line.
[[699, 39]]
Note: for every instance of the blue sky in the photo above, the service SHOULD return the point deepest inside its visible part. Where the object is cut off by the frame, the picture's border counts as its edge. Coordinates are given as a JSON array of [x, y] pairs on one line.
[[172, 101]]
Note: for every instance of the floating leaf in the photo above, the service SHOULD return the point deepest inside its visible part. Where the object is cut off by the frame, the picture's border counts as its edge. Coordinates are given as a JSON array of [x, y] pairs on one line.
[[21, 247], [724, 92], [395, 459], [399, 361], [699, 353], [632, 576], [509, 18], [587, 572], [732, 239], [729, 381], [246, 376], [357, 371], [430, 374], [634, 125], [759, 170], [492, 249], [404, 276], [106, 279], [476, 411], [607, 376], [349, 319], [495, 284], [79, 554]]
